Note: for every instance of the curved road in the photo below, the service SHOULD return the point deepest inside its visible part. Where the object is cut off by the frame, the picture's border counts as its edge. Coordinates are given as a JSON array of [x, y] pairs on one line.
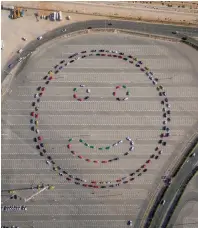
[[177, 183], [128, 25]]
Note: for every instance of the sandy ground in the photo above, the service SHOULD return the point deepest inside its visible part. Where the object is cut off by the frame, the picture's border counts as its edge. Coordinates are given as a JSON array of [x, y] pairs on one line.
[[28, 27], [133, 11]]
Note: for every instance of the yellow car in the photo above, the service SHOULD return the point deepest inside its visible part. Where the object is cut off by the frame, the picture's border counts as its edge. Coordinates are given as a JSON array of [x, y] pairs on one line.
[[36, 122]]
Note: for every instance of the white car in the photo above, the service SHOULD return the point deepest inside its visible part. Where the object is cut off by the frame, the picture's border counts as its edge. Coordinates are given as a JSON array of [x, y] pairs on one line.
[[20, 50], [39, 38], [132, 143], [126, 98], [82, 85], [120, 141], [48, 162], [20, 59], [23, 38], [131, 148], [129, 223], [163, 202], [115, 144], [128, 138], [37, 131], [36, 95], [88, 91]]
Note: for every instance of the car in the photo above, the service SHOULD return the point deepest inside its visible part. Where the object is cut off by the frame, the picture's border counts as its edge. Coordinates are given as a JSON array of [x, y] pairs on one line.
[[175, 32], [39, 38], [48, 162], [121, 53], [93, 50], [154, 82], [143, 166], [120, 141], [20, 59], [36, 122], [32, 113], [156, 157], [101, 50], [104, 162], [168, 112], [115, 144], [109, 23], [42, 144], [89, 28], [140, 62], [20, 51], [130, 223], [128, 138], [24, 39], [131, 148], [148, 161], [152, 156], [160, 152], [163, 143], [145, 170], [184, 38], [55, 66], [160, 141], [125, 99], [63, 30], [163, 202], [60, 67], [56, 71], [168, 105], [138, 170], [192, 155], [10, 65], [164, 115], [39, 138], [37, 131], [83, 56], [36, 115], [166, 99], [71, 61], [62, 61], [140, 174]]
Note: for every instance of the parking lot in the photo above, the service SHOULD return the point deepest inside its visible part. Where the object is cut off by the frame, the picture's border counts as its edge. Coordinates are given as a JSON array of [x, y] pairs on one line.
[[100, 121]]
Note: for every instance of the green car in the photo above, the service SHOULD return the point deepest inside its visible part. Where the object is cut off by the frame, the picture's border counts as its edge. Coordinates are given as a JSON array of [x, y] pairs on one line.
[[125, 59]]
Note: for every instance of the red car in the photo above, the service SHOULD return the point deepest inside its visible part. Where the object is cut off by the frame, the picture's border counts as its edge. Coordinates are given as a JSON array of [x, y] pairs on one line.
[[40, 94], [114, 93], [68, 179], [80, 99], [143, 166], [75, 96], [96, 161], [103, 54], [32, 113], [85, 185], [88, 160], [93, 182], [95, 186], [118, 180], [148, 161], [50, 78], [118, 87], [109, 55], [69, 146], [120, 57], [36, 115], [40, 138], [104, 161], [81, 157], [73, 152], [43, 89]]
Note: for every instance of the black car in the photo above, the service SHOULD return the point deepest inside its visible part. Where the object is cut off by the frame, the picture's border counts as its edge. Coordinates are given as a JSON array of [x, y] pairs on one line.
[[56, 71], [89, 28], [164, 143], [93, 50], [83, 51], [168, 112], [121, 53], [109, 23], [156, 157], [55, 66], [152, 156], [71, 61], [62, 61], [83, 56], [132, 174], [101, 50], [160, 141]]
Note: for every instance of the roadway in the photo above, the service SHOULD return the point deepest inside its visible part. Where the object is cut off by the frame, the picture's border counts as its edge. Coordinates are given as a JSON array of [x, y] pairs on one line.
[[177, 183], [128, 25]]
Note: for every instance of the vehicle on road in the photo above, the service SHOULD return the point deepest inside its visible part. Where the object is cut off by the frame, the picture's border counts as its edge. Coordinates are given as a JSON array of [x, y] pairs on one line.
[[39, 38], [163, 202], [63, 30], [20, 51], [192, 155], [24, 39], [129, 223]]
